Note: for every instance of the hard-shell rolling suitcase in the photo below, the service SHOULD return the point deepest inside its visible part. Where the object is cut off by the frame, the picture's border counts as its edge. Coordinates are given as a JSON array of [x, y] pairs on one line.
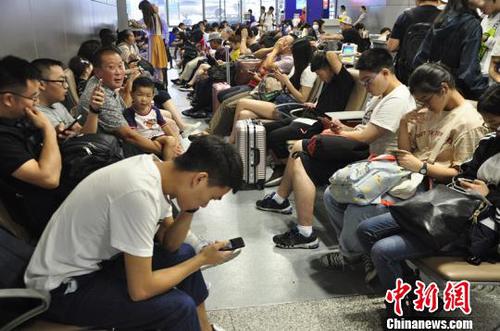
[[218, 87], [251, 144]]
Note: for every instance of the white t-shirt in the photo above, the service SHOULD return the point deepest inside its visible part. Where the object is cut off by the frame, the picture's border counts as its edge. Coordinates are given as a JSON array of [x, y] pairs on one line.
[[116, 209], [307, 78], [386, 112], [148, 126]]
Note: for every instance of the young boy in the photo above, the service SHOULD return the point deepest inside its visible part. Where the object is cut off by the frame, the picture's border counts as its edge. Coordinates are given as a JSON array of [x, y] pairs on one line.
[[148, 120]]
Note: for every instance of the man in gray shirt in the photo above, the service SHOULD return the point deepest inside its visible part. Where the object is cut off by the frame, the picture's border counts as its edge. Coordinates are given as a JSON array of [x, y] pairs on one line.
[[109, 74], [53, 89]]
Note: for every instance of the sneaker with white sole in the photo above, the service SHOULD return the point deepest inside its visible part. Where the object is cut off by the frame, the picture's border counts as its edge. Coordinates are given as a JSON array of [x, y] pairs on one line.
[[294, 239], [215, 327], [269, 204], [334, 260], [189, 129]]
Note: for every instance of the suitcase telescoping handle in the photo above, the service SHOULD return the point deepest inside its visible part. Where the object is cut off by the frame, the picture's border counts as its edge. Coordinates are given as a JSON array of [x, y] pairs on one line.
[[228, 73], [256, 156]]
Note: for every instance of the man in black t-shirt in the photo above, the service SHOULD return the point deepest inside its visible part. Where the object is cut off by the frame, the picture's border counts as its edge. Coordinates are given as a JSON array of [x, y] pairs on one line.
[[425, 12], [337, 88], [30, 164]]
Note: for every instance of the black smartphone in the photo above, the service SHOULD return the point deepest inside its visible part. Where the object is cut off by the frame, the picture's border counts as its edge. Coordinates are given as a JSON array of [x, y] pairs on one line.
[[73, 123], [234, 243]]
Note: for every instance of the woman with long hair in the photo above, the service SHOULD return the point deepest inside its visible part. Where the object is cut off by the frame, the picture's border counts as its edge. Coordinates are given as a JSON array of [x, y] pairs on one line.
[[457, 28], [157, 51], [298, 86]]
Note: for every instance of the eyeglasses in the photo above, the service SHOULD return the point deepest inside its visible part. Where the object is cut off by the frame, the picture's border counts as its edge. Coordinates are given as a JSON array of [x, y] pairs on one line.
[[63, 82], [366, 82], [33, 98]]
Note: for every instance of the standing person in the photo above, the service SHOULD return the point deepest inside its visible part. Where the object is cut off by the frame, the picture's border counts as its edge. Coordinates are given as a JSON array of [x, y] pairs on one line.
[[269, 20], [343, 13], [491, 33], [262, 15], [251, 17], [362, 16], [157, 52], [113, 256], [457, 28], [426, 11]]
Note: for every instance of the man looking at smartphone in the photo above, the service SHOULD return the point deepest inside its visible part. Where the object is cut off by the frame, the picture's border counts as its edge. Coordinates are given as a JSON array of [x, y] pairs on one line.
[[53, 89], [312, 167], [30, 166], [113, 250]]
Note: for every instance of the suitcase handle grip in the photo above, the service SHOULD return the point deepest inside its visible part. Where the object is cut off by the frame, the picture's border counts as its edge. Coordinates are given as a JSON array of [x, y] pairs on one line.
[[256, 156]]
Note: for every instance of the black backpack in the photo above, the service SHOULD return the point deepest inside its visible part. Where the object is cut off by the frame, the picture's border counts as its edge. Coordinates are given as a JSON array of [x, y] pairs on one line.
[[84, 154], [415, 35]]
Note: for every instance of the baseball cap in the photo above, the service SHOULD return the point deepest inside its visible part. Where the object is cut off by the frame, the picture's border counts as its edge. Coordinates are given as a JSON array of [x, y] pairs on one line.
[[214, 36]]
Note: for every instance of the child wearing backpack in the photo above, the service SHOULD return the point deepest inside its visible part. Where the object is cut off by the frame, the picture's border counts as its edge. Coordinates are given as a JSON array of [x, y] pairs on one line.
[[148, 120]]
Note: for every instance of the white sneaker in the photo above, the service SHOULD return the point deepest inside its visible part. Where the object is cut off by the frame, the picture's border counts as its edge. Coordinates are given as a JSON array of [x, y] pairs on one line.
[[215, 327], [189, 129]]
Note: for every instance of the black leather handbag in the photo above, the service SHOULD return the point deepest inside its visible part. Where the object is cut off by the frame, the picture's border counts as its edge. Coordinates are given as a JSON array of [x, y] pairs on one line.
[[440, 216]]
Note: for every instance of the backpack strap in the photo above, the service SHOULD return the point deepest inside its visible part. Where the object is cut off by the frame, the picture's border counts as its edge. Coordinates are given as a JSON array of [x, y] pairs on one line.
[[129, 115]]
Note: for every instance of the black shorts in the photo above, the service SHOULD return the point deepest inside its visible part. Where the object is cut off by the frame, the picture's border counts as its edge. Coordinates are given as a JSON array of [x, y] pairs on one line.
[[320, 170]]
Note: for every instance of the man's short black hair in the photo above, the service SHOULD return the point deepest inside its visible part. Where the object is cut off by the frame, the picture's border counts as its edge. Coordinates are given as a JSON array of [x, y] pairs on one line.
[[97, 57], [319, 61], [142, 82], [15, 72], [44, 65], [219, 159], [374, 60], [342, 7], [489, 101]]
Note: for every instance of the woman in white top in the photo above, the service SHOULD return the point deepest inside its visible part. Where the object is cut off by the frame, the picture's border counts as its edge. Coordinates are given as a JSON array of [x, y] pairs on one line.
[[298, 84]]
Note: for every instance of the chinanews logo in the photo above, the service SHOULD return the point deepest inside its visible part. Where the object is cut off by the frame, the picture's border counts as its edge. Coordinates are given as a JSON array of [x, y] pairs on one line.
[[456, 295]]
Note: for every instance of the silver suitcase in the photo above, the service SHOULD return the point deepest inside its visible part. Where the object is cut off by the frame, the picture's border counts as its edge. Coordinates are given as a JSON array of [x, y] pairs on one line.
[[251, 144]]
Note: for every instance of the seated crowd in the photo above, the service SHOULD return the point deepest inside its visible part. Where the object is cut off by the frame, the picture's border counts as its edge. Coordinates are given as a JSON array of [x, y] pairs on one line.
[[113, 244]]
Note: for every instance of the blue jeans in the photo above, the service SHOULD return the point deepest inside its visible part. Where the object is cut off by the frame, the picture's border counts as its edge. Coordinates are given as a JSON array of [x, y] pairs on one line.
[[389, 248], [102, 300], [345, 219]]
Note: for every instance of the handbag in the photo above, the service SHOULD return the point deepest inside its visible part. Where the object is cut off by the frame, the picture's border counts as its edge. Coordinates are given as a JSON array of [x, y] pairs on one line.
[[441, 215], [364, 181], [268, 89]]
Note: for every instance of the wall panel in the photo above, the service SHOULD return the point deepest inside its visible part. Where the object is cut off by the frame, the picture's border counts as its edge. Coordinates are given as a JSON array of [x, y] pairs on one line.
[[51, 28]]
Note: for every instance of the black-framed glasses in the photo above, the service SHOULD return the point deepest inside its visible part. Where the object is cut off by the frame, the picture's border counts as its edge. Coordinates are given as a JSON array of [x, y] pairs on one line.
[[63, 82], [33, 98]]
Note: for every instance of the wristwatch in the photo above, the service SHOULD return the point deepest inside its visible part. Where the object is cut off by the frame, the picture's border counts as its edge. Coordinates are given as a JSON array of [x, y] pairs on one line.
[[92, 110], [423, 170]]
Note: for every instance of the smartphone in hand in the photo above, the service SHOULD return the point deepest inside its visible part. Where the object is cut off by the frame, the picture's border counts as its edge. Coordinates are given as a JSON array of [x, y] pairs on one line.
[[69, 127], [234, 244]]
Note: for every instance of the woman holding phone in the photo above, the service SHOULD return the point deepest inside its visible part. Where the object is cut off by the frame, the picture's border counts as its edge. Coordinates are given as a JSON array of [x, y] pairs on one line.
[[434, 140], [390, 247]]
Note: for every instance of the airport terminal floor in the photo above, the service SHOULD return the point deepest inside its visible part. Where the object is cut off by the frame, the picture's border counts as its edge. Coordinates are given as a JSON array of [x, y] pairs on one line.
[[271, 289]]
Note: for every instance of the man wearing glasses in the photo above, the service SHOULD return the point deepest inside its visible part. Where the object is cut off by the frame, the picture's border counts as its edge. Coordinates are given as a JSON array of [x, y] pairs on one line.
[[53, 89], [30, 164]]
